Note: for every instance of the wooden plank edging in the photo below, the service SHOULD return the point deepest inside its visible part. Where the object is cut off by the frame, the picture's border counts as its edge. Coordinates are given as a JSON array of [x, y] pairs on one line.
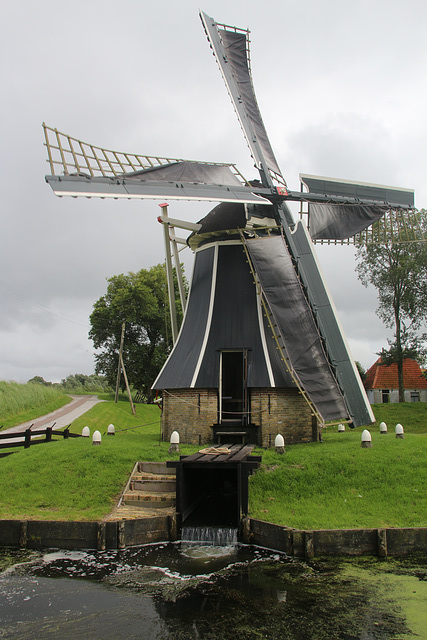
[[101, 535], [119, 534], [382, 542]]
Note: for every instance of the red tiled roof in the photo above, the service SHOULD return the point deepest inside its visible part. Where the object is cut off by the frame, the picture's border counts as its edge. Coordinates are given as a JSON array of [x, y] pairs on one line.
[[381, 376]]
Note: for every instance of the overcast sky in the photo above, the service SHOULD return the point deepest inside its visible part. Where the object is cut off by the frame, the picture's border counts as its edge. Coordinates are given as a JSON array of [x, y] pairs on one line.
[[342, 88]]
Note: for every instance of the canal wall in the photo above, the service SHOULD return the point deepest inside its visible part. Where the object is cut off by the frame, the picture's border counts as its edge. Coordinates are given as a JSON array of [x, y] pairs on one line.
[[119, 534], [115, 534], [381, 542]]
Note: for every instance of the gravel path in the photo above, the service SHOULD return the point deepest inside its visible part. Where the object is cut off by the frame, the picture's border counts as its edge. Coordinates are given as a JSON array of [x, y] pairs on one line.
[[61, 417]]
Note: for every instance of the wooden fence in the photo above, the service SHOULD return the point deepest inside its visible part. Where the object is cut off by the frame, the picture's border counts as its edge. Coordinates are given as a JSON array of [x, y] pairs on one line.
[[26, 437]]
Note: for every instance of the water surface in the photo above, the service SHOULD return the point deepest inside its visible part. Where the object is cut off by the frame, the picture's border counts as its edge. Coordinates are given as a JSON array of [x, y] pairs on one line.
[[186, 591]]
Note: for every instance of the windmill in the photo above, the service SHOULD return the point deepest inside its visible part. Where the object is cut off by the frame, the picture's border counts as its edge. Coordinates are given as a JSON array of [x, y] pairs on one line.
[[260, 350]]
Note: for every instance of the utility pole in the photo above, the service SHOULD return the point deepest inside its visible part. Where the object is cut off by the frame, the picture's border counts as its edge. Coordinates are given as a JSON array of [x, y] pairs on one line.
[[120, 367]]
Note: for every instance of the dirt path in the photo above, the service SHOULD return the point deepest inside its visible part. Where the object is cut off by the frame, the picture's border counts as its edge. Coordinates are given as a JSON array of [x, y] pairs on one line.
[[61, 417]]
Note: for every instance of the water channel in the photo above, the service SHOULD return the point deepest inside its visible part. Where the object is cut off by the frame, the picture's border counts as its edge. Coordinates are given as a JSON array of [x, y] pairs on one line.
[[188, 590]]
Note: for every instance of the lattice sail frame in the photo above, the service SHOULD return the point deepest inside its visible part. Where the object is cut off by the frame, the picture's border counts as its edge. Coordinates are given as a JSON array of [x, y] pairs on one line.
[[397, 226], [68, 156]]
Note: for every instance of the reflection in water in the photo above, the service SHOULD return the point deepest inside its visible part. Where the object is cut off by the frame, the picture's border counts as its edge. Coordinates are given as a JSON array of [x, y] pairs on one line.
[[185, 591]]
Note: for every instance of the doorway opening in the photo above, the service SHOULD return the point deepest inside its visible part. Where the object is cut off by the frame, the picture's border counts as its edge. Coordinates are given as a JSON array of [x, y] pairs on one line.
[[233, 387]]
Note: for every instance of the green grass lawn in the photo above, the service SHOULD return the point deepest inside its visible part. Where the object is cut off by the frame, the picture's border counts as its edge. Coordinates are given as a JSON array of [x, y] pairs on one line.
[[337, 484], [333, 484], [74, 480]]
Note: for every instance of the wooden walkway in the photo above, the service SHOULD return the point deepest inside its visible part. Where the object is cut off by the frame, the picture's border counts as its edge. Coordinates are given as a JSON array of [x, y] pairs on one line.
[[238, 454]]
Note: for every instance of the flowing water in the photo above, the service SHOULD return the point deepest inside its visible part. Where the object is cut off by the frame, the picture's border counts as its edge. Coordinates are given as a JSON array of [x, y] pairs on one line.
[[203, 592], [216, 536]]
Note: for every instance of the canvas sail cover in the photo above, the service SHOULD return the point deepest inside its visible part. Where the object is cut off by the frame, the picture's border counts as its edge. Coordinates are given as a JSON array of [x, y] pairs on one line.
[[231, 49], [296, 325], [188, 171], [235, 49], [341, 221]]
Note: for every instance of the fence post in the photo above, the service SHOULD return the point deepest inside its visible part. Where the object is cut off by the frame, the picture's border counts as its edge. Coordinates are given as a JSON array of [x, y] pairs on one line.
[[23, 534], [101, 536], [66, 432], [27, 440], [48, 434], [121, 542]]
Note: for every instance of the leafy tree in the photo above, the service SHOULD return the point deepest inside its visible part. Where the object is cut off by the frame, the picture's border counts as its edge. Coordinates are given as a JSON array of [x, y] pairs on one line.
[[398, 271], [141, 301], [40, 380], [361, 370], [79, 382]]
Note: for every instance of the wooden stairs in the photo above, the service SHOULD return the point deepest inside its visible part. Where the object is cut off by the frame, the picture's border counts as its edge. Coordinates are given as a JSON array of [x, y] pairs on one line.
[[151, 485]]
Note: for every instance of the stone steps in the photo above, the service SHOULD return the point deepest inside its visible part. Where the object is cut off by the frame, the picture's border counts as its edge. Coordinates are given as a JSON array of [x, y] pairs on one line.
[[158, 468], [152, 485], [154, 500]]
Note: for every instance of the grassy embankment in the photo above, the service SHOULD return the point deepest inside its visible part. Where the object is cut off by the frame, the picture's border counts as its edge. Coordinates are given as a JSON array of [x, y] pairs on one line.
[[23, 402], [338, 484], [334, 484]]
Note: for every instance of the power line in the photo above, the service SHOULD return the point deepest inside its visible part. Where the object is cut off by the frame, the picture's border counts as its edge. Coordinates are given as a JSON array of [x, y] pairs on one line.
[[30, 301]]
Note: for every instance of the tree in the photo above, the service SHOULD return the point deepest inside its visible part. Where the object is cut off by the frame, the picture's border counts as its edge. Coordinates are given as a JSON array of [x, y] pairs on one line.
[[40, 380], [361, 370], [398, 270], [141, 301], [79, 382]]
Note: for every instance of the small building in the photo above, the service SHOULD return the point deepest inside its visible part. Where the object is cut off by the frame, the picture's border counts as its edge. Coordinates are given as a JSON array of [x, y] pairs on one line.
[[382, 385]]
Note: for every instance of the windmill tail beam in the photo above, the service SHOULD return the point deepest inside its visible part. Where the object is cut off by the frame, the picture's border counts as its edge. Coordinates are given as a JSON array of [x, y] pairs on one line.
[[180, 224], [169, 276]]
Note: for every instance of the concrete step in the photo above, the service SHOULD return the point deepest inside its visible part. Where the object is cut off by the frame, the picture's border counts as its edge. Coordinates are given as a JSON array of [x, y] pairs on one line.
[[159, 468], [152, 484], [153, 500], [144, 475]]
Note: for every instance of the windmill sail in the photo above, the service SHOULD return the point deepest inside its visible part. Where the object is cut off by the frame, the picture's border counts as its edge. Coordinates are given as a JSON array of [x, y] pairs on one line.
[[350, 207], [231, 48], [341, 221], [237, 76], [295, 321], [82, 169]]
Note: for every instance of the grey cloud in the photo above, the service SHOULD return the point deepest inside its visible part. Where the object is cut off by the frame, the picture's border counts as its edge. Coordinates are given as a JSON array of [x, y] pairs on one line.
[[142, 79]]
